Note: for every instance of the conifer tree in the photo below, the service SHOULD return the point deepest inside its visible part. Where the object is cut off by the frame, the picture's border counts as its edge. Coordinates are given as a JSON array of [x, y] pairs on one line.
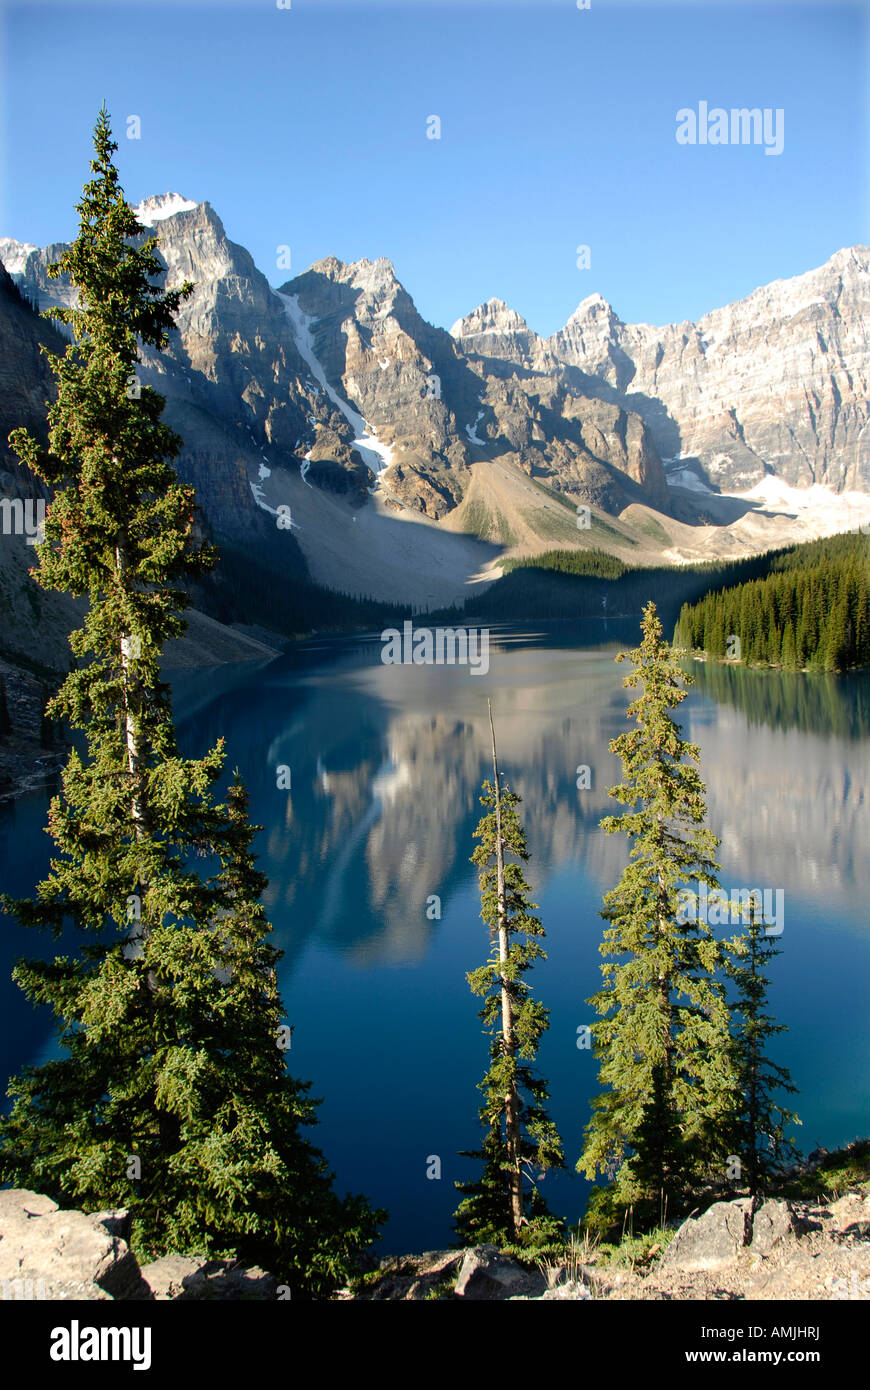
[[520, 1137], [837, 644], [172, 1097], [789, 658], [663, 1039], [759, 1122]]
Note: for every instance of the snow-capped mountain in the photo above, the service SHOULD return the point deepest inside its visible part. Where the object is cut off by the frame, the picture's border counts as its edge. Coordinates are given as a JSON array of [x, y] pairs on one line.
[[156, 209]]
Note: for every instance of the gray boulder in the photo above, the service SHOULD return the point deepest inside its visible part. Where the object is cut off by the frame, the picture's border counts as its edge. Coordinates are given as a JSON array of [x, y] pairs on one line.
[[773, 1223], [712, 1239], [487, 1275], [167, 1277]]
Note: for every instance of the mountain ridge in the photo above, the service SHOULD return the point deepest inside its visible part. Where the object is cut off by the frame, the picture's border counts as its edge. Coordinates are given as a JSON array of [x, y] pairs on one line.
[[410, 458], [670, 375]]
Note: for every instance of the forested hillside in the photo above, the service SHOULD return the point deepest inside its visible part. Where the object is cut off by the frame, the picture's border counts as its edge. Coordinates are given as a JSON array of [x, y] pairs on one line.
[[812, 611]]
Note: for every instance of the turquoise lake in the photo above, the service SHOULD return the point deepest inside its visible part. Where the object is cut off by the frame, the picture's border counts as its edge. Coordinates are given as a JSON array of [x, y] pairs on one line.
[[386, 764]]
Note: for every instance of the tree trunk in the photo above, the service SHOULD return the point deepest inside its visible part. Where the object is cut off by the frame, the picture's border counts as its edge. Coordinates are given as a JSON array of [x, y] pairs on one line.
[[664, 982], [138, 805], [511, 1099], [666, 1006], [752, 1100]]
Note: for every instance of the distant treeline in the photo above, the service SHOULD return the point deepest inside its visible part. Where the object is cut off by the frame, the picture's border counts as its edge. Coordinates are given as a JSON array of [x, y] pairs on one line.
[[588, 562], [810, 612]]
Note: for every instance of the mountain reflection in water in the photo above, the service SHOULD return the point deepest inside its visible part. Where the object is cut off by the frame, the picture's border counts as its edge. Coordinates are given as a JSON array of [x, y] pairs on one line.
[[386, 766]]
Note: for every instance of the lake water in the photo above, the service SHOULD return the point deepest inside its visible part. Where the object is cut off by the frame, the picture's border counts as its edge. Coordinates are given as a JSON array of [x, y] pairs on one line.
[[386, 764]]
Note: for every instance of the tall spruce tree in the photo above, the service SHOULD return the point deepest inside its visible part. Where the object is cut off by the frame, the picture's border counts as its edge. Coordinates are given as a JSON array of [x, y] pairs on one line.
[[172, 1097], [663, 1039], [520, 1137], [758, 1135]]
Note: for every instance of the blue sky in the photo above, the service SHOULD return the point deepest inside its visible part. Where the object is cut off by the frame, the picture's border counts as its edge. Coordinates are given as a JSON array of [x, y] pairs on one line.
[[307, 127]]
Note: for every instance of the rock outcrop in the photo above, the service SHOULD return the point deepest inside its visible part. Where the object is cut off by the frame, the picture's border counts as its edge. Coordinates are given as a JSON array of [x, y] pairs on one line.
[[713, 1239], [771, 1249], [487, 1275], [58, 1254], [50, 1254], [184, 1278], [726, 1229]]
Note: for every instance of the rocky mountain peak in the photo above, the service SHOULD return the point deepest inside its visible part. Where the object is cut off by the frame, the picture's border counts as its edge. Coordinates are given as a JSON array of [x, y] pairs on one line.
[[494, 330], [593, 307], [851, 258], [780, 301], [372, 277], [330, 266], [492, 317]]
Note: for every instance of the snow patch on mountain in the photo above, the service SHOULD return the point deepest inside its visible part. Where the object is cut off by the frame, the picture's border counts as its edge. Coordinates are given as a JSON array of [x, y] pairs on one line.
[[687, 478], [851, 509], [14, 254], [161, 206], [287, 522], [374, 454], [471, 430]]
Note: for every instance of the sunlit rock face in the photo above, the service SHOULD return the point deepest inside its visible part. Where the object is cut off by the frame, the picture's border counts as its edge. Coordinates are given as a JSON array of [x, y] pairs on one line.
[[406, 379], [776, 382]]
